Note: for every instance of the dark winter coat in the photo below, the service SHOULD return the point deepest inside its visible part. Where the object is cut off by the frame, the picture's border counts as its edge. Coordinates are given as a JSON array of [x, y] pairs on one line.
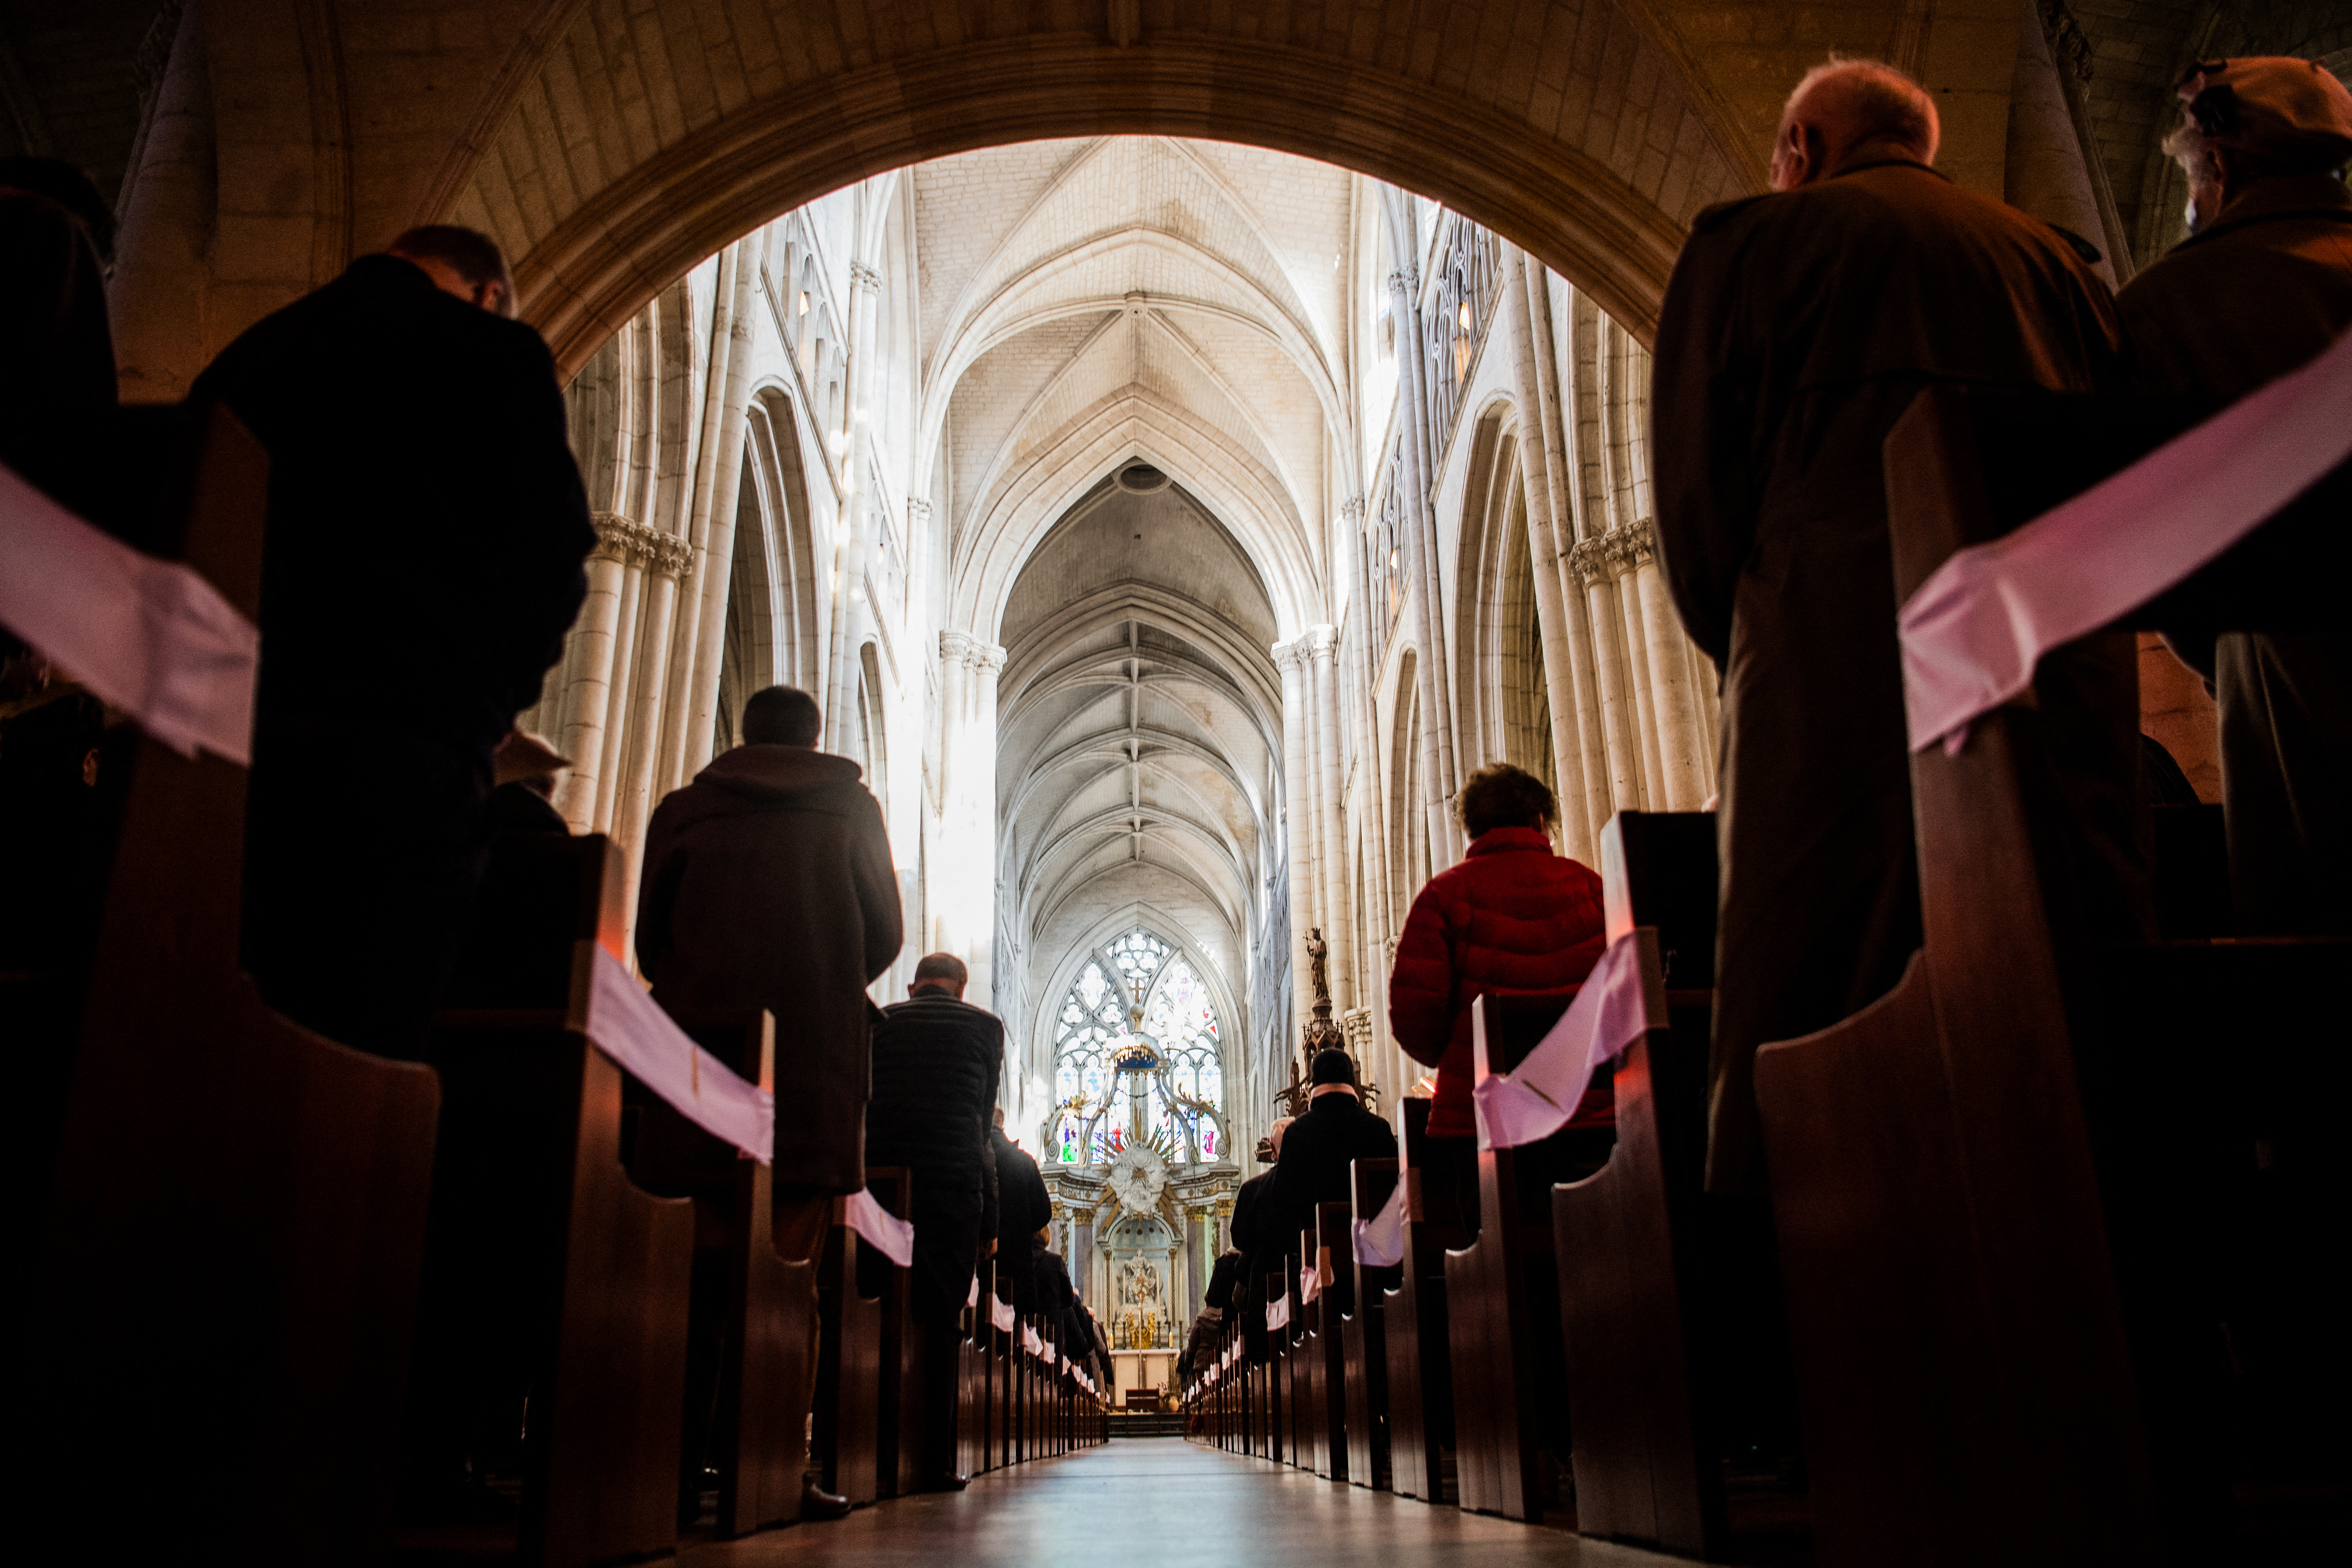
[[2260, 292], [768, 883], [935, 1064], [1023, 1209], [1513, 916], [1796, 331], [455, 433]]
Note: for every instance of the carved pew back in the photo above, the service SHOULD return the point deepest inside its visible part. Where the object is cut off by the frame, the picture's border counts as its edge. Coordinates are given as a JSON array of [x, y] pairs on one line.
[[1414, 1321], [1365, 1345]]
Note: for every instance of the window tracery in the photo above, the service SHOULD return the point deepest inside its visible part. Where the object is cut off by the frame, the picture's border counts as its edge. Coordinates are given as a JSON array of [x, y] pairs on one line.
[[1137, 1058]]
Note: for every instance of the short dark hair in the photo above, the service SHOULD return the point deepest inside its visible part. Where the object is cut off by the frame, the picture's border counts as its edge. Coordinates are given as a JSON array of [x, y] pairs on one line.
[[474, 256], [1502, 795], [944, 967], [72, 189], [780, 716], [1331, 1065]]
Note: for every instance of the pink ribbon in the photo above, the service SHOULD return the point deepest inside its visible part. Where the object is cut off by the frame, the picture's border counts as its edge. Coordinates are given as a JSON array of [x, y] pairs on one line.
[[150, 636], [1535, 1100], [1278, 1316], [1310, 1285], [891, 1237], [1973, 632], [972, 1296], [1380, 1241], [629, 1027], [1001, 1314]]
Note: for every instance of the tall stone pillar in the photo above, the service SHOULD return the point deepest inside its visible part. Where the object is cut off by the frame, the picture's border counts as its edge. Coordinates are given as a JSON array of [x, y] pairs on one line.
[[1589, 561], [666, 559], [719, 554], [1330, 836], [586, 702], [850, 611], [678, 698], [2046, 173], [1683, 782], [980, 790], [1298, 805]]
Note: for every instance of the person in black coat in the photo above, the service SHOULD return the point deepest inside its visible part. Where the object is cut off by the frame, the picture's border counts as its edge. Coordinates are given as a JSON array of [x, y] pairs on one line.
[[1319, 1149], [1200, 1348], [428, 538], [937, 1060], [1257, 1237], [1023, 1210]]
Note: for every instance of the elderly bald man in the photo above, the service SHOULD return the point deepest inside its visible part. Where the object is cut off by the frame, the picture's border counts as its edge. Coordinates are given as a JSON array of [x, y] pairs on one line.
[[1797, 329]]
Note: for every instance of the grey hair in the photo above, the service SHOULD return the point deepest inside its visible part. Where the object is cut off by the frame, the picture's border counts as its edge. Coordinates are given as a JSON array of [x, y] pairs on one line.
[[1886, 105]]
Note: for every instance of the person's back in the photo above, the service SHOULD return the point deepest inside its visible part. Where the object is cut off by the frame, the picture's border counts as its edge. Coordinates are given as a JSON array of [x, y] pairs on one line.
[[937, 1060], [1022, 1207], [768, 883], [1798, 328], [1511, 916], [1321, 1147], [390, 672], [2260, 288]]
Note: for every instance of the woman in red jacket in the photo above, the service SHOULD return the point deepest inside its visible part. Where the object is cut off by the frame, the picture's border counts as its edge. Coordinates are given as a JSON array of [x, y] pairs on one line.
[[1513, 916]]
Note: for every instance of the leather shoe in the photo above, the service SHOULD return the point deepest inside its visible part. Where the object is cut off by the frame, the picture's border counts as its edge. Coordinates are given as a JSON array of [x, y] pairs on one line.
[[818, 1503], [946, 1481]]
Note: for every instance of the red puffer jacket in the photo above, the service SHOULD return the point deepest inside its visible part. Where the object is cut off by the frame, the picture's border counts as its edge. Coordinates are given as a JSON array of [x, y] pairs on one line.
[[1512, 917]]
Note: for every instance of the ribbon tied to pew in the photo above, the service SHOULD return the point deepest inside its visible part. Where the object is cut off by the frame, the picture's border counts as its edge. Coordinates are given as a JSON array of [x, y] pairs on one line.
[[1535, 1099], [972, 1296], [1032, 1344], [1380, 1241], [150, 636], [1974, 631], [629, 1026], [893, 1237], [1277, 1314], [1001, 1316]]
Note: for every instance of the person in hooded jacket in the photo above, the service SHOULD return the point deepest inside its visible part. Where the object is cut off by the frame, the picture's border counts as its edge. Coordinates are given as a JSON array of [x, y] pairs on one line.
[[1022, 1208], [768, 883]]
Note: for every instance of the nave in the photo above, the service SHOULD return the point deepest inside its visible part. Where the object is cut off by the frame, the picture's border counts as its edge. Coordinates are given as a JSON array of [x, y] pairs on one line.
[[1162, 1503]]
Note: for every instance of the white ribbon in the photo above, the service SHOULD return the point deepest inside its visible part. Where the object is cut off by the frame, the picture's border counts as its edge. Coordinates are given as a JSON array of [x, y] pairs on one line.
[[150, 636], [1278, 1316], [630, 1026], [1380, 1241], [1535, 1099], [1001, 1315], [893, 1237], [1032, 1344], [1973, 632]]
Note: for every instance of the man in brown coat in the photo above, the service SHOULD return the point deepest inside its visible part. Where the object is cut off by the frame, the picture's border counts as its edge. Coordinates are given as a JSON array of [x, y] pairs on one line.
[[2262, 285], [768, 883], [1797, 329]]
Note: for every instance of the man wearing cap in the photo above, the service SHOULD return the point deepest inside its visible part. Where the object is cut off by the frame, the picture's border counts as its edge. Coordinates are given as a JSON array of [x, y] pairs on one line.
[[2260, 287], [1318, 1152]]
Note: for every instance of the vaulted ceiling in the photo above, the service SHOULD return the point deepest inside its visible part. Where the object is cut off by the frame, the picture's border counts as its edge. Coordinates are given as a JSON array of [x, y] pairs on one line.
[[1137, 413]]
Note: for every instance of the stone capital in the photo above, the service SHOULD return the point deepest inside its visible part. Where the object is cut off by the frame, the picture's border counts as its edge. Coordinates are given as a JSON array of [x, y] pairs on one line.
[[1322, 642], [1289, 657], [633, 544], [1351, 512], [986, 656], [863, 276], [955, 647]]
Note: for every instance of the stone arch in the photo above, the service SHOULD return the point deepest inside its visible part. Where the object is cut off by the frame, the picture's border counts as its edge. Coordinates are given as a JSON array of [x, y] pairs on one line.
[[1499, 648], [1408, 824], [778, 470], [609, 160]]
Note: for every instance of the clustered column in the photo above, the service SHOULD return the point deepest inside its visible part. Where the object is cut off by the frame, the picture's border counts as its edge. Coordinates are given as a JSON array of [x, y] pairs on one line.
[[966, 900]]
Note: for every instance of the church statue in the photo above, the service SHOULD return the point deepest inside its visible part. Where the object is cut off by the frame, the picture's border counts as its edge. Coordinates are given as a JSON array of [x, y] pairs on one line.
[[1318, 965]]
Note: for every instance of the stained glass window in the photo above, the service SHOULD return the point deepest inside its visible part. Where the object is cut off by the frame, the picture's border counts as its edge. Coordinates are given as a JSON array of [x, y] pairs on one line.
[[1141, 983]]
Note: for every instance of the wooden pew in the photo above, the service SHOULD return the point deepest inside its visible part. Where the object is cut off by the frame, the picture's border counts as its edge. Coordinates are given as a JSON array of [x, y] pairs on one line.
[[849, 1370], [1419, 1342], [550, 1277], [225, 1261], [1502, 1291], [972, 1384], [898, 1444], [1997, 1186], [1364, 1345], [1322, 1348], [758, 1441], [1630, 1238]]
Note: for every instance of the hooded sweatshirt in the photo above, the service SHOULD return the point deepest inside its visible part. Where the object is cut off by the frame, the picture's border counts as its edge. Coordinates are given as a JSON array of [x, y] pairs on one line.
[[768, 883]]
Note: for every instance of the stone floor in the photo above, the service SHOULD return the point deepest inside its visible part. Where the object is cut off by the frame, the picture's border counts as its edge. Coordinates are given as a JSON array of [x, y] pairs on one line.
[[1161, 1503]]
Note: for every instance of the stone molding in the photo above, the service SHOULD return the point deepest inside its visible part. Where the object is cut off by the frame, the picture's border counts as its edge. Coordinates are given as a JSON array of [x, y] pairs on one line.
[[633, 544], [1613, 553]]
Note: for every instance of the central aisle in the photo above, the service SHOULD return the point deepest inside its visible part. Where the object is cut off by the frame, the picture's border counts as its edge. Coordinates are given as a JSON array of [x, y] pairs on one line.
[[1162, 1503]]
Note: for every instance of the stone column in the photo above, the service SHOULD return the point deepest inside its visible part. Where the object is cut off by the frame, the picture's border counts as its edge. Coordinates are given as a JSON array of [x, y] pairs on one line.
[[719, 554], [1536, 446], [586, 701], [980, 787], [1574, 420], [2046, 173], [678, 698], [1298, 812], [1637, 670], [1330, 837], [1683, 780], [842, 661], [1590, 563], [666, 559]]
